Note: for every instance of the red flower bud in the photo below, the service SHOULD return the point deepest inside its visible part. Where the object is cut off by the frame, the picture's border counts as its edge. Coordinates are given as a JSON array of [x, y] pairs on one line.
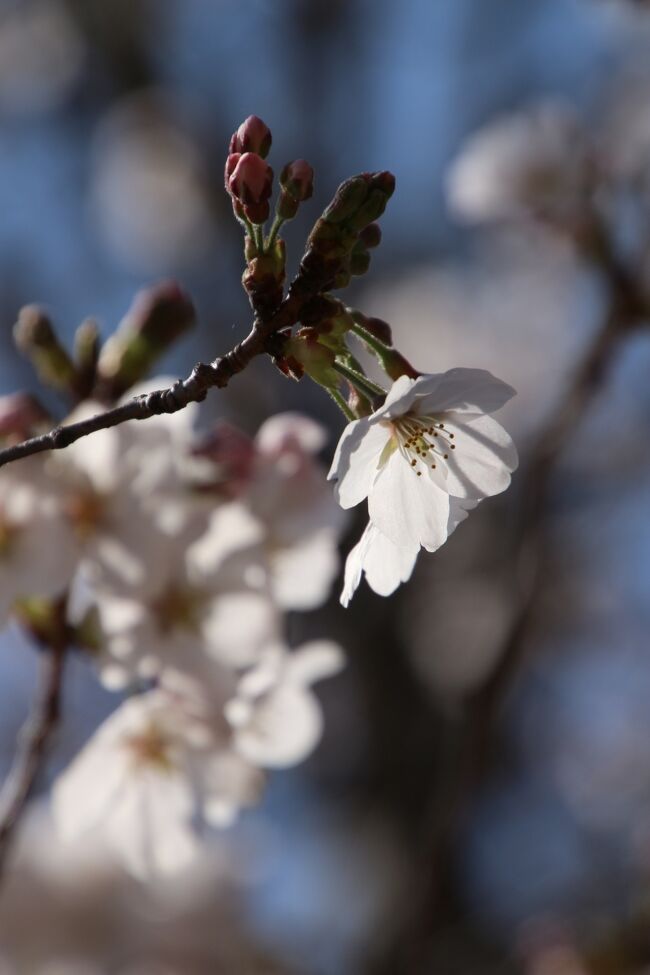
[[297, 179], [231, 162], [251, 179], [253, 135]]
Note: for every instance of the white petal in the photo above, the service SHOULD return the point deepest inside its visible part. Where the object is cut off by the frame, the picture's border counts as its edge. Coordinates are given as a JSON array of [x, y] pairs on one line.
[[302, 574], [150, 827], [386, 565], [220, 812], [398, 399], [232, 528], [356, 460], [408, 509], [483, 459], [237, 626], [313, 661], [230, 783], [97, 456], [85, 792], [354, 567], [265, 674], [462, 390], [285, 728]]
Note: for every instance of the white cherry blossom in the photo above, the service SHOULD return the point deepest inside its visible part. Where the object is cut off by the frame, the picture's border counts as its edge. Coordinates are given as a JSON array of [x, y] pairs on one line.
[[278, 478], [432, 441], [122, 488], [290, 495], [276, 717], [530, 162], [149, 780], [197, 598]]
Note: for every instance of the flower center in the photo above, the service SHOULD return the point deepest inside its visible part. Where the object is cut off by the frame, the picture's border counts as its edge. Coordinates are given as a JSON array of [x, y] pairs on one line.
[[149, 748], [86, 510], [423, 441], [178, 609]]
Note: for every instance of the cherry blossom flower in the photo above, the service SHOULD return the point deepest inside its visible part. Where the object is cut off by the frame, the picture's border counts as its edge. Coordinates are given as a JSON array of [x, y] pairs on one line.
[[431, 446], [122, 487], [275, 715], [196, 599], [279, 480], [151, 778]]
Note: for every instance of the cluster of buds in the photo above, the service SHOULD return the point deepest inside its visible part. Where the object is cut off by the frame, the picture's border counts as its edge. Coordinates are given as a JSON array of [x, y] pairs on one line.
[[249, 180], [338, 248], [340, 240], [158, 317]]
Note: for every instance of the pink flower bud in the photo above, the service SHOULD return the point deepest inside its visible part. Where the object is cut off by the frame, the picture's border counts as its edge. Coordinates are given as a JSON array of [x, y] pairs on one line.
[[232, 453], [253, 135], [20, 413], [251, 179], [231, 162], [297, 179]]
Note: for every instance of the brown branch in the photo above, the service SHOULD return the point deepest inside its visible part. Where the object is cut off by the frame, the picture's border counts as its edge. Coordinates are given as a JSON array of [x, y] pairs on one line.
[[193, 389], [627, 311], [472, 739], [33, 743]]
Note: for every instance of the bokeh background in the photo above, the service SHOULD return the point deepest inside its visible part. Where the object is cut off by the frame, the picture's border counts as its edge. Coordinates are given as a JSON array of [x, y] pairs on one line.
[[391, 850]]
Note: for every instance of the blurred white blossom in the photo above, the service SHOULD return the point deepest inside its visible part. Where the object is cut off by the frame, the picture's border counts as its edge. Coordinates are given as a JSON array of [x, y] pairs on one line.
[[533, 162], [194, 599], [150, 186], [178, 560], [37, 554], [278, 478], [41, 55], [151, 778], [275, 715], [122, 490]]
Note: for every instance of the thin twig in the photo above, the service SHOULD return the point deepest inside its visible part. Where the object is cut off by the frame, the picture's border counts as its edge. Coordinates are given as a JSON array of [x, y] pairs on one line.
[[34, 740], [193, 389]]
